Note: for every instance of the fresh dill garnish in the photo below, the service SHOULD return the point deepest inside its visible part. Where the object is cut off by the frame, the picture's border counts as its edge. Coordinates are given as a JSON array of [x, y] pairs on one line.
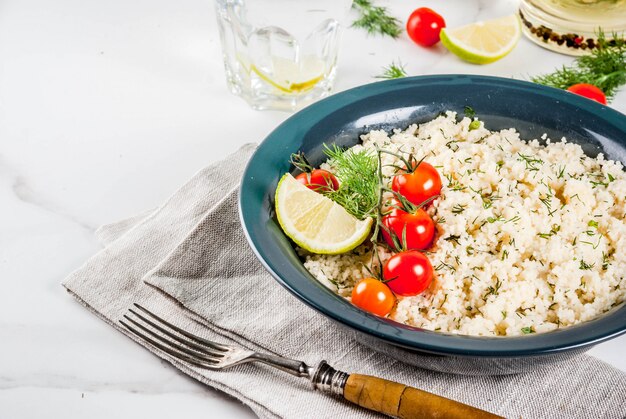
[[585, 266], [469, 112], [527, 330], [605, 261], [596, 184], [393, 71], [555, 229], [458, 208], [604, 68], [357, 171], [531, 162], [513, 220], [376, 20], [493, 290], [453, 238]]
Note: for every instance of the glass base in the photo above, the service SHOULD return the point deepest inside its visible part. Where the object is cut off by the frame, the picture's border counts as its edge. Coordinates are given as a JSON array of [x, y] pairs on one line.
[[571, 26], [260, 96]]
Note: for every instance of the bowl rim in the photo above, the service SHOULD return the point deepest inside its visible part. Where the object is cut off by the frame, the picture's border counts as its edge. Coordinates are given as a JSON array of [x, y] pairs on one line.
[[573, 337]]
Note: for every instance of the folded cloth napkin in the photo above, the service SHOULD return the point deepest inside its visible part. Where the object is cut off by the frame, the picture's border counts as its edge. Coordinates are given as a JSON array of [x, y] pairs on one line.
[[188, 260]]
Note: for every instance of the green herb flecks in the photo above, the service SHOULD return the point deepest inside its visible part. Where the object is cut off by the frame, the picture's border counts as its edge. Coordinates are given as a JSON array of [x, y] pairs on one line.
[[469, 112], [531, 162], [527, 330], [393, 71], [357, 172], [585, 266], [604, 68], [458, 208], [376, 20]]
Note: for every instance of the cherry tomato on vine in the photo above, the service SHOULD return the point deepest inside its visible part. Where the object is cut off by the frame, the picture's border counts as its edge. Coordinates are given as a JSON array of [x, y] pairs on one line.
[[418, 185], [373, 296], [424, 25], [589, 91], [408, 273], [319, 180], [418, 229]]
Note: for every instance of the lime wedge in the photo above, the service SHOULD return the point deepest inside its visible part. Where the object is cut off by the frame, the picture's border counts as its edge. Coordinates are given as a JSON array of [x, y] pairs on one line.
[[316, 223], [483, 42]]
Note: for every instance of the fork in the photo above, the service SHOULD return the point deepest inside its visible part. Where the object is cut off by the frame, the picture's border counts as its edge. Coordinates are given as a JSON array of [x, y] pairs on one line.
[[372, 393]]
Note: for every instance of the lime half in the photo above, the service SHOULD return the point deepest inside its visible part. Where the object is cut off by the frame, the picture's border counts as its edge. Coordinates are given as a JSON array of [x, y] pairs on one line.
[[316, 223], [483, 42]]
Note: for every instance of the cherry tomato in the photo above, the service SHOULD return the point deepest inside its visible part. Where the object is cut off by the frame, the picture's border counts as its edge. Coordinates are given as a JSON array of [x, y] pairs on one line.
[[419, 185], [589, 91], [374, 296], [319, 180], [408, 273], [424, 26], [418, 229]]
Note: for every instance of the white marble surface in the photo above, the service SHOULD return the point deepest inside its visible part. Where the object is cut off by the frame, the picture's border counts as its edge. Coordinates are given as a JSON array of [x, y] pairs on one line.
[[105, 109]]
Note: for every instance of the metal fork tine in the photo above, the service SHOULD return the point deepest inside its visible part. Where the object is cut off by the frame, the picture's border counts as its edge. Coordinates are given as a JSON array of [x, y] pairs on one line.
[[177, 354], [198, 339], [203, 355], [200, 348]]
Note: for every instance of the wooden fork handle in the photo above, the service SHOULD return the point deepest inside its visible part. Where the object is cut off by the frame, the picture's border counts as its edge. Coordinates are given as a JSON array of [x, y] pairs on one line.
[[402, 401]]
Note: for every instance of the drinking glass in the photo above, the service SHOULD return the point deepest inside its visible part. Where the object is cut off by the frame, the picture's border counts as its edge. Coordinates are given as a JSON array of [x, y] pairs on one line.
[[280, 54]]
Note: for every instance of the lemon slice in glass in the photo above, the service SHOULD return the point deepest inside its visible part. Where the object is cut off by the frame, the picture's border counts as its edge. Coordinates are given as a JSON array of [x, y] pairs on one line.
[[316, 223], [483, 42]]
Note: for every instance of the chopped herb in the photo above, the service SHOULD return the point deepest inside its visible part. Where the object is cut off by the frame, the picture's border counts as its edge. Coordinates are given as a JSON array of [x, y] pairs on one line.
[[513, 220], [585, 266], [453, 238], [469, 112], [452, 145], [531, 163], [593, 223], [493, 290], [596, 184], [443, 265], [505, 254], [458, 208], [527, 330], [441, 220], [605, 261]]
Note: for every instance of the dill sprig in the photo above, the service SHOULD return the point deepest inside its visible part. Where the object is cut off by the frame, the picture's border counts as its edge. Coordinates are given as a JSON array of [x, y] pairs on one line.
[[359, 184], [605, 68], [375, 20], [393, 71]]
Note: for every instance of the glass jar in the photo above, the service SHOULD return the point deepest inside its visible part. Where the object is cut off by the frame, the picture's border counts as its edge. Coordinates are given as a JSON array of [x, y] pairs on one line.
[[572, 26]]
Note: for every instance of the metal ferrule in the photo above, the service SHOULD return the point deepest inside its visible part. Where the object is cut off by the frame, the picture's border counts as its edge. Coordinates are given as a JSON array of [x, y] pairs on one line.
[[329, 380]]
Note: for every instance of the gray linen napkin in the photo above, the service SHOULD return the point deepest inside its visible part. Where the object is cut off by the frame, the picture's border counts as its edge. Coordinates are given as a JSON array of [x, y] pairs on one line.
[[189, 261]]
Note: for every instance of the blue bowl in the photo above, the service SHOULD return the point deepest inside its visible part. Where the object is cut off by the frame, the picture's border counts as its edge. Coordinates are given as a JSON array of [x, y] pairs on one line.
[[501, 103]]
